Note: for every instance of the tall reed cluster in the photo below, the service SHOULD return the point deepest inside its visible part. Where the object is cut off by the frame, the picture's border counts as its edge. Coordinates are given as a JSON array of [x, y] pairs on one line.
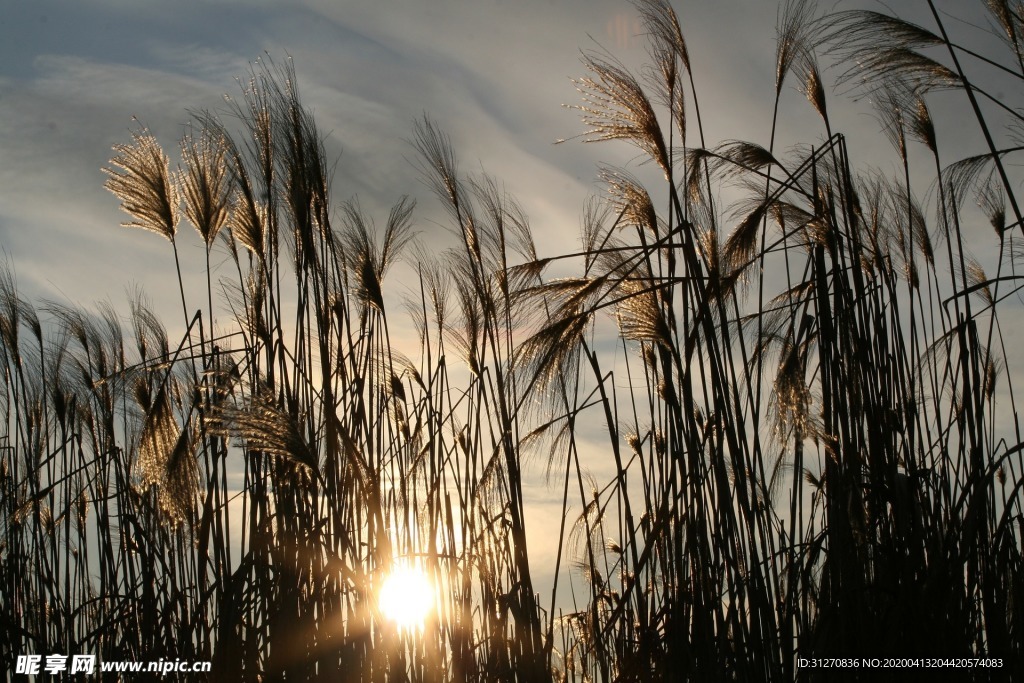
[[804, 395]]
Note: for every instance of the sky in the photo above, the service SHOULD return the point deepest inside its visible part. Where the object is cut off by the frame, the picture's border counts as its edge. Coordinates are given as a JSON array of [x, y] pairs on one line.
[[494, 75], [75, 76]]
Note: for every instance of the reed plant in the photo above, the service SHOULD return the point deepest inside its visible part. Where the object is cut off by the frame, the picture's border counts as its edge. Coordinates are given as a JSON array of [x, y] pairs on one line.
[[801, 377]]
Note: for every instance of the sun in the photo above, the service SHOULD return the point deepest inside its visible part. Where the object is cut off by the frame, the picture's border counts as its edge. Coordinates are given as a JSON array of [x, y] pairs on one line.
[[407, 597]]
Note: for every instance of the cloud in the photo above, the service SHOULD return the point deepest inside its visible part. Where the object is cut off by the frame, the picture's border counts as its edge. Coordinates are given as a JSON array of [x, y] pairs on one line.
[[492, 74], [58, 224]]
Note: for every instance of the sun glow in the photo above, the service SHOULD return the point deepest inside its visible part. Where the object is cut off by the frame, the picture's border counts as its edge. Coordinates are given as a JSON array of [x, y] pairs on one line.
[[407, 597]]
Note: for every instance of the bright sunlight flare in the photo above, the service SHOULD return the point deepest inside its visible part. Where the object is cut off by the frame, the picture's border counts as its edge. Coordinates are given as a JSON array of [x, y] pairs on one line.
[[406, 597]]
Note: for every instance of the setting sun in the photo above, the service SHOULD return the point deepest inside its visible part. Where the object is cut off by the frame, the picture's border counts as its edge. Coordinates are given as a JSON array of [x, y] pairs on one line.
[[406, 597]]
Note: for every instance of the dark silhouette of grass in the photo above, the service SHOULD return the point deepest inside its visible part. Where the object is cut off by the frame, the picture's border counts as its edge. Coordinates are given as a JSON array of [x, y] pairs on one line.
[[812, 429]]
